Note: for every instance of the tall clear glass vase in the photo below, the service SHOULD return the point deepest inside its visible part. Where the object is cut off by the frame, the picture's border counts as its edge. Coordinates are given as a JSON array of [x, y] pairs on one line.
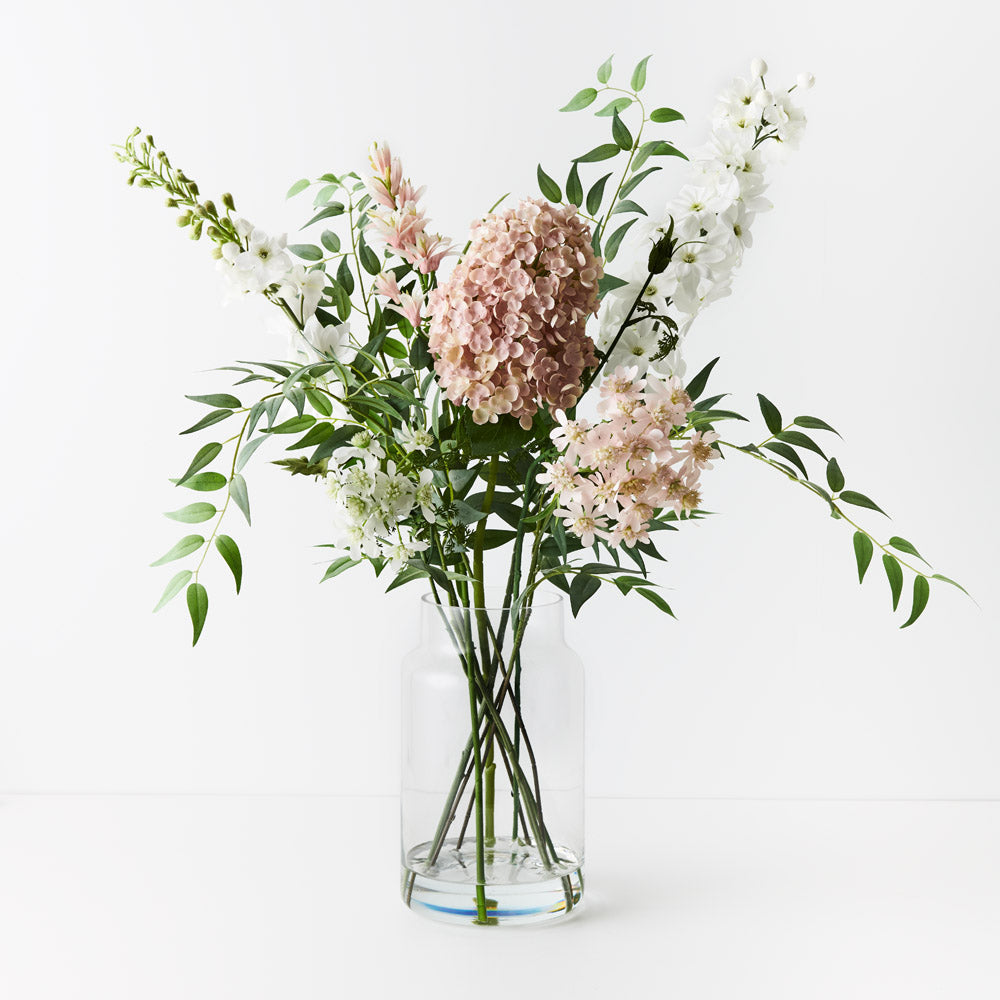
[[492, 769]]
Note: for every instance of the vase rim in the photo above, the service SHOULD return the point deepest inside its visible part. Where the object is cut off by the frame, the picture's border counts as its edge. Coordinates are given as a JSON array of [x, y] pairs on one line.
[[548, 598]]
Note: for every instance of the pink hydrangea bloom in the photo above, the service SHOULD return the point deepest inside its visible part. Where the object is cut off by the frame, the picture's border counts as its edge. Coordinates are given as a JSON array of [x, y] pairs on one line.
[[508, 328], [613, 477]]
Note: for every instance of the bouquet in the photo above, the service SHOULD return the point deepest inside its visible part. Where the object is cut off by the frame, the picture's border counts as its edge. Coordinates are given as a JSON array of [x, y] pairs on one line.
[[522, 389]]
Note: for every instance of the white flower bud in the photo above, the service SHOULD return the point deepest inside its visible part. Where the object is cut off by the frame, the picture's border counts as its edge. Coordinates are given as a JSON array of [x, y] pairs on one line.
[[804, 81], [765, 98], [758, 68]]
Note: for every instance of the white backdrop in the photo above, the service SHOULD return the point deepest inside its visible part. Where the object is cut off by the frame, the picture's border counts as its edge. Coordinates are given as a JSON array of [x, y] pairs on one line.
[[867, 299]]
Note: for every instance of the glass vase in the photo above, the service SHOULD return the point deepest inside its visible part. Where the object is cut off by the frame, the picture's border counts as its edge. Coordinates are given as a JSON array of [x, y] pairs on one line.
[[492, 765]]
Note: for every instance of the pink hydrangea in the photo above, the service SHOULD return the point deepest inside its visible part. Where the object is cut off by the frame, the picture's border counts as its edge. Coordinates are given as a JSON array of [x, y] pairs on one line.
[[508, 328], [613, 476]]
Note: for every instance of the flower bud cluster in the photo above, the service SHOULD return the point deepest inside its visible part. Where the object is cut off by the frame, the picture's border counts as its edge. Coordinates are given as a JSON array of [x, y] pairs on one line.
[[614, 476]]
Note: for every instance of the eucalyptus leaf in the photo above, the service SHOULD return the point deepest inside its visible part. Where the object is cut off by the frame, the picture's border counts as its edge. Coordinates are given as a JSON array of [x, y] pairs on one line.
[[615, 240], [834, 476], [212, 417], [621, 134], [574, 189], [582, 99], [619, 104], [921, 594], [176, 585], [860, 500], [307, 251], [218, 399], [639, 74], [894, 572], [596, 195], [206, 454], [603, 152], [197, 602], [771, 414], [230, 551], [204, 482], [193, 513], [902, 545], [238, 491], [247, 451], [548, 186], [863, 551], [187, 545]]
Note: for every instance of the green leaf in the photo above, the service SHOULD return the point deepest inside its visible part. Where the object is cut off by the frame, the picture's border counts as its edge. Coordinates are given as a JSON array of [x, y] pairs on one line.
[[238, 491], [204, 482], [663, 115], [619, 104], [316, 434], [834, 476], [636, 180], [369, 259], [945, 579], [621, 134], [696, 386], [324, 194], [921, 594], [596, 195], [895, 574], [298, 186], [655, 147], [331, 210], [294, 425], [176, 585], [654, 598], [603, 152], [788, 453], [771, 414], [609, 283], [639, 74], [193, 513], [213, 417], [863, 551], [344, 276], [801, 440], [330, 240], [615, 241], [197, 602], [506, 435], [604, 70], [338, 566], [815, 424], [307, 251], [467, 514], [582, 99], [205, 455], [187, 545], [574, 189], [247, 451], [623, 206], [860, 500], [548, 186], [218, 399], [320, 402], [581, 590], [904, 546], [230, 551]]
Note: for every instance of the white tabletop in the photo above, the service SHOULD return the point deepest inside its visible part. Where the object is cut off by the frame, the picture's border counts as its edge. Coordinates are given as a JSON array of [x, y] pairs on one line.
[[215, 897]]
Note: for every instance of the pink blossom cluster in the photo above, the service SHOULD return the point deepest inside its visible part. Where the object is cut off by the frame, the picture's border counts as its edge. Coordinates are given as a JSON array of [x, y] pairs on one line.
[[613, 476], [396, 216], [508, 328]]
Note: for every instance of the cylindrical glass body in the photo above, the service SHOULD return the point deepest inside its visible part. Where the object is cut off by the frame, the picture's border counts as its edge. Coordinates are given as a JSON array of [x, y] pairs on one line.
[[492, 823]]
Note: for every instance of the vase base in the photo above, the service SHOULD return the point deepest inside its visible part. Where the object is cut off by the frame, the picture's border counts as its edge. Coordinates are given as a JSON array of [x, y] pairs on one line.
[[519, 888]]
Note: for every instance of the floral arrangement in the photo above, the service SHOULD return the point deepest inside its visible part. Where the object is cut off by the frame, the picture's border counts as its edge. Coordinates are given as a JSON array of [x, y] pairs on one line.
[[525, 392]]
